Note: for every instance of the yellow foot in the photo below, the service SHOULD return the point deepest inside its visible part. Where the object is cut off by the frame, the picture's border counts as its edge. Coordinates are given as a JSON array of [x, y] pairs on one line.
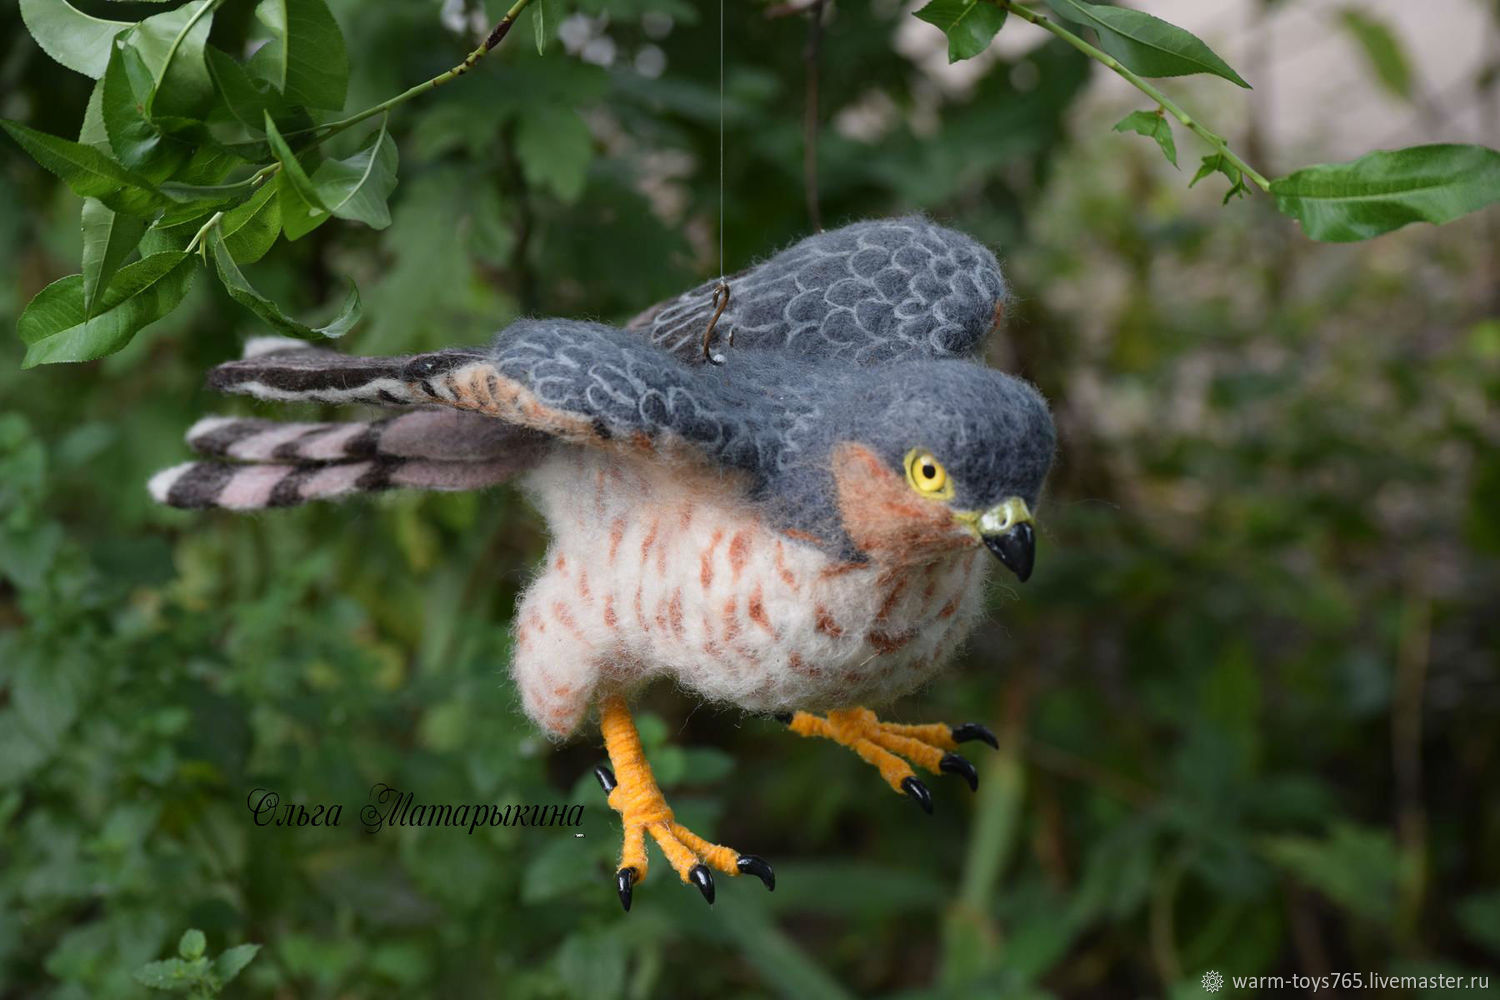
[[633, 793], [884, 744]]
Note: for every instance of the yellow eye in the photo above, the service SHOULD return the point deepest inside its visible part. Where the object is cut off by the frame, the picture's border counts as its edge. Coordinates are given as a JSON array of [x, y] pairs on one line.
[[927, 475]]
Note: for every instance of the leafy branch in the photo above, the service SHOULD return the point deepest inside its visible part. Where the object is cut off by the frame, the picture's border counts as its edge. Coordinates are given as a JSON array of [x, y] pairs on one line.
[[187, 154], [192, 971], [495, 37], [171, 124], [1230, 158], [1358, 200]]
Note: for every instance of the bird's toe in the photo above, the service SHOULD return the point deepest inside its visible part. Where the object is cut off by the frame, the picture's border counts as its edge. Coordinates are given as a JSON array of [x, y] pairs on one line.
[[750, 864], [919, 794], [700, 876], [974, 731], [952, 763], [625, 884]]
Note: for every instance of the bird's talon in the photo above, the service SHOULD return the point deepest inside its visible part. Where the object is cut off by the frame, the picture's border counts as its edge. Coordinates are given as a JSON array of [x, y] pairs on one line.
[[700, 876], [952, 763], [918, 793], [606, 779], [749, 864], [625, 882], [974, 731]]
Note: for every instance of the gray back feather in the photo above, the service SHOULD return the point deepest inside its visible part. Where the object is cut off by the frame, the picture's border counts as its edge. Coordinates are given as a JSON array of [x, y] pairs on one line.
[[887, 290]]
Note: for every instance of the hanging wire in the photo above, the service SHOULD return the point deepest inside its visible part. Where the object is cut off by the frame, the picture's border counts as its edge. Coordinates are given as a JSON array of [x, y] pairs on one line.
[[721, 288]]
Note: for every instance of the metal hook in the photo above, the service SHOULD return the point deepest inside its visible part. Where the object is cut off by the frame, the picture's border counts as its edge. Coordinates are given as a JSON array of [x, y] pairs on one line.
[[720, 302]]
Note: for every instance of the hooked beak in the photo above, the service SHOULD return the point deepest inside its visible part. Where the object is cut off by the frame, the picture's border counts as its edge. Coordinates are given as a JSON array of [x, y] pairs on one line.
[[1007, 531]]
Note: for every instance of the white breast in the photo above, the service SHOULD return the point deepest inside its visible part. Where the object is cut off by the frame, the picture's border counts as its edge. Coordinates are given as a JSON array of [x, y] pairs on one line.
[[661, 570]]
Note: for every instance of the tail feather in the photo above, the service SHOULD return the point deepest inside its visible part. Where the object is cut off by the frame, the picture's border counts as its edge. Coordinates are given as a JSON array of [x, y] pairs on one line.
[[443, 435], [286, 464], [292, 370], [200, 485]]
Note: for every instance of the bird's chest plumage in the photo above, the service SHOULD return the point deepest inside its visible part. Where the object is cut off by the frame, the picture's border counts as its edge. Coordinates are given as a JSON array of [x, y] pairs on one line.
[[658, 569]]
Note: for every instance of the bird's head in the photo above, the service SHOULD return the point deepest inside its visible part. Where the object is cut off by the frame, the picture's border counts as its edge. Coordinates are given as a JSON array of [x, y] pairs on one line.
[[941, 455]]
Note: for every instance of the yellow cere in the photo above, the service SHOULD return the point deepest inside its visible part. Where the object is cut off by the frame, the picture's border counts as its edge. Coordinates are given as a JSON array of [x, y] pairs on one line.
[[927, 475]]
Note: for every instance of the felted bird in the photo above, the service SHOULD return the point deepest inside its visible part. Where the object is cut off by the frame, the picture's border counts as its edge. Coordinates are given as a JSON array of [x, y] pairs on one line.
[[799, 530]]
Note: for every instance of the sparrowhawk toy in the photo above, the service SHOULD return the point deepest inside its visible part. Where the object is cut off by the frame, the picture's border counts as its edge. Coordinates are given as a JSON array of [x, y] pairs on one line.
[[797, 530]]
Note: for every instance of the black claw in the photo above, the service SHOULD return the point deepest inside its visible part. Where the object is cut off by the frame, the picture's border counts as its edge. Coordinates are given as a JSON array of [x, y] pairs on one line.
[[785, 718], [700, 876], [974, 731], [919, 794], [952, 763], [624, 882], [749, 864], [606, 781]]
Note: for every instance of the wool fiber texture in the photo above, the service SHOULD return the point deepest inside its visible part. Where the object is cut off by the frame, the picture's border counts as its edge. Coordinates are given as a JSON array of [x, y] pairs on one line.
[[748, 529], [884, 290]]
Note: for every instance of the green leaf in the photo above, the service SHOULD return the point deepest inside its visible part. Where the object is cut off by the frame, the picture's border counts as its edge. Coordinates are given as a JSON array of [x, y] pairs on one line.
[[171, 46], [555, 148], [205, 195], [135, 141], [86, 170], [108, 238], [1218, 163], [242, 292], [969, 24], [92, 132], [55, 327], [1357, 868], [1382, 191], [233, 961], [248, 98], [209, 164], [305, 59], [173, 975], [1153, 124], [249, 230], [1144, 44], [302, 208], [192, 944], [73, 38], [539, 25], [171, 234], [1381, 48], [357, 188]]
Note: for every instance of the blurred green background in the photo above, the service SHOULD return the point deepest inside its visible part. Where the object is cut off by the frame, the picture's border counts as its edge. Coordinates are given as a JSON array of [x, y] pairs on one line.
[[1249, 704]]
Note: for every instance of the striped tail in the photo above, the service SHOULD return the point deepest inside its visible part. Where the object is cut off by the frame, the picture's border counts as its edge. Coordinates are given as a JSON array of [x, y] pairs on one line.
[[255, 463]]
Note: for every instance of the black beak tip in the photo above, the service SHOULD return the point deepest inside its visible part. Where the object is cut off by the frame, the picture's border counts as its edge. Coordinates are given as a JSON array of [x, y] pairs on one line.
[[1016, 549]]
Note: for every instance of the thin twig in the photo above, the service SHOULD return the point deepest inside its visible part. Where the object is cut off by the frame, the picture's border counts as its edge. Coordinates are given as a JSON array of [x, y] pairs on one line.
[[496, 36], [1172, 108], [811, 56]]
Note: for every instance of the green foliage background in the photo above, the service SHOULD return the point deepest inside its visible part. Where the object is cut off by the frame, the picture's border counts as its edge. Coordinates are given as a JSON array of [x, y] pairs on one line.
[[1248, 704]]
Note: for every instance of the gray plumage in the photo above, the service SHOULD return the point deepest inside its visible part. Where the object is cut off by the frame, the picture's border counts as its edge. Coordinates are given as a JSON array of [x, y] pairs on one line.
[[862, 334], [884, 290]]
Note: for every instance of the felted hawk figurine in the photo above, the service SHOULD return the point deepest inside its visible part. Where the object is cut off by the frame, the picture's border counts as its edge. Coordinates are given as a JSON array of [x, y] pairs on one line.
[[799, 530]]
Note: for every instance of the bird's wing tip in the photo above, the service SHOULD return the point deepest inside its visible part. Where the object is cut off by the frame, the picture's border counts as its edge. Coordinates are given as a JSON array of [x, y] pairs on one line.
[[207, 425], [160, 485], [257, 346]]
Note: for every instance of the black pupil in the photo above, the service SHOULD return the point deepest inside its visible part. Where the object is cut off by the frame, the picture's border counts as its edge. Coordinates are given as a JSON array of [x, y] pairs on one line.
[[928, 472]]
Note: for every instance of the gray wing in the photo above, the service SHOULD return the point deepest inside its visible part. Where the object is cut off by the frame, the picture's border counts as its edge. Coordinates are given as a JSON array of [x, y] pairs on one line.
[[871, 292], [585, 383], [599, 385]]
